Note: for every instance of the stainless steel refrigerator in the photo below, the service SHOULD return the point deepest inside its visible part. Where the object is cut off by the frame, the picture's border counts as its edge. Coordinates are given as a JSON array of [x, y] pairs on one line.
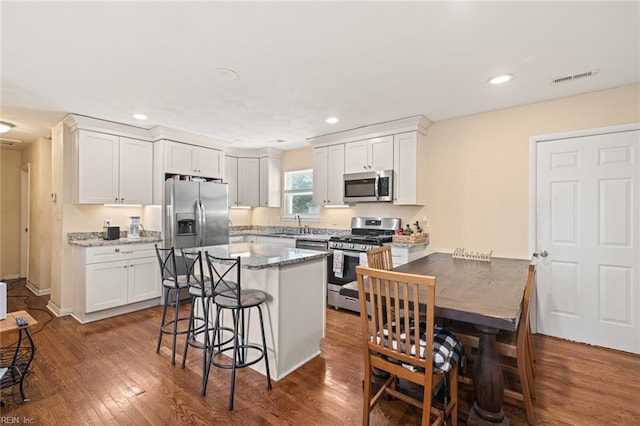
[[196, 214]]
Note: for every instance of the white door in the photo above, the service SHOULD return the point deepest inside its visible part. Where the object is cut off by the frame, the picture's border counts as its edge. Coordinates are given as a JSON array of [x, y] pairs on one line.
[[588, 192]]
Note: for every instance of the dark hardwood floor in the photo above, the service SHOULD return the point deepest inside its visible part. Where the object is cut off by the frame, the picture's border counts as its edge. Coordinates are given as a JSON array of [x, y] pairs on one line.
[[107, 372]]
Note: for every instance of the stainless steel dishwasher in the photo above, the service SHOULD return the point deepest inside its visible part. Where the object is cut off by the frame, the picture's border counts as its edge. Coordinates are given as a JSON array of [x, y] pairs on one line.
[[309, 244]]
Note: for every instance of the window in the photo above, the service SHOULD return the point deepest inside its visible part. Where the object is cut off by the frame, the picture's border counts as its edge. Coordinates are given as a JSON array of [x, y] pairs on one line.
[[298, 194]]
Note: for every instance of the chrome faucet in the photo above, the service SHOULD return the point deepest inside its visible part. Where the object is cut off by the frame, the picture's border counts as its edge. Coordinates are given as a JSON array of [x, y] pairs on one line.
[[299, 224]]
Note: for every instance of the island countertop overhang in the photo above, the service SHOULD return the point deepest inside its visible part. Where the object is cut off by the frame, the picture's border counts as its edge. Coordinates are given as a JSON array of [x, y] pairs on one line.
[[260, 256]]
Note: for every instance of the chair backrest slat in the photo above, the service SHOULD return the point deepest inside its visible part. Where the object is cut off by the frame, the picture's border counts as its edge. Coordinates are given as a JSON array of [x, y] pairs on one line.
[[380, 258], [526, 300], [408, 294]]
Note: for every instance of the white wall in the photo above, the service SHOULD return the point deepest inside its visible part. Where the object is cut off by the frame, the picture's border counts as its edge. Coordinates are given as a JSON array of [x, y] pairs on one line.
[[478, 172]]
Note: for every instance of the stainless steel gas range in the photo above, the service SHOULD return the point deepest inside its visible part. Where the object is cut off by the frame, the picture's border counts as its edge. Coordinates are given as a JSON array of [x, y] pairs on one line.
[[347, 252]]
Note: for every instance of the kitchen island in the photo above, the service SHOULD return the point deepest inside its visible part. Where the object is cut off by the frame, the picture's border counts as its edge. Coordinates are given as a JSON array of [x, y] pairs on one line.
[[294, 313]]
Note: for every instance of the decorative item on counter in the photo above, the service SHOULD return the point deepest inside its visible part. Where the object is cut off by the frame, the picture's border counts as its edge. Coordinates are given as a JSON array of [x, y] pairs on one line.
[[407, 230], [460, 253], [134, 227], [417, 229]]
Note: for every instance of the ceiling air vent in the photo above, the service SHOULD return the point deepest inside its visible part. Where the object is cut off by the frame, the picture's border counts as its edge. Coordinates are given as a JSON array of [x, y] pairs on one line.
[[9, 142], [566, 78]]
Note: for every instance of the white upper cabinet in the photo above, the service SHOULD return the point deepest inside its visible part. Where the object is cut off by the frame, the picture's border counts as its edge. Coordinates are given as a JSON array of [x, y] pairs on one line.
[[185, 159], [328, 168], [369, 155], [113, 169], [409, 168], [270, 181], [136, 171], [231, 178], [398, 145], [243, 176], [248, 182]]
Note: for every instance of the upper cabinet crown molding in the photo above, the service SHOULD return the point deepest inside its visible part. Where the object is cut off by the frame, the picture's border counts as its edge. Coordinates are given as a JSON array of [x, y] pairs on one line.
[[161, 132], [152, 134], [82, 122], [417, 123], [254, 152]]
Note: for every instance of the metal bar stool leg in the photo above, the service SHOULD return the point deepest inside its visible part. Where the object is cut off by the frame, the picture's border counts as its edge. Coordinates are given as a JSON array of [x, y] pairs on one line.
[[216, 333], [264, 345], [190, 332], [176, 304], [164, 315], [236, 350]]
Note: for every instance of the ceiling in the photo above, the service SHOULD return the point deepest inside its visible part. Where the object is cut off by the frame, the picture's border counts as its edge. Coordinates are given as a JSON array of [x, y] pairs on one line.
[[300, 62]]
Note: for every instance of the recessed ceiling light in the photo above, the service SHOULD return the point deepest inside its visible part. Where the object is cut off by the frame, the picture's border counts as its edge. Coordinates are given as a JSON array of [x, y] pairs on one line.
[[500, 79], [225, 74], [5, 127], [140, 117], [332, 120]]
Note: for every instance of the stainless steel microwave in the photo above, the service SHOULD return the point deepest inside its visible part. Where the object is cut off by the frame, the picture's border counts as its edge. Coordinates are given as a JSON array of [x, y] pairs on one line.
[[368, 186]]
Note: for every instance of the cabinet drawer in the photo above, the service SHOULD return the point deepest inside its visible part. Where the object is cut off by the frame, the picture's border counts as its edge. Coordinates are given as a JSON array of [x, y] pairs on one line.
[[119, 252]]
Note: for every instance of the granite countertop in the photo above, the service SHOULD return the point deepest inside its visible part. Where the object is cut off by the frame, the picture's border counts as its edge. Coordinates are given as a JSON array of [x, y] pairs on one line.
[[423, 243], [260, 256], [94, 239], [296, 236]]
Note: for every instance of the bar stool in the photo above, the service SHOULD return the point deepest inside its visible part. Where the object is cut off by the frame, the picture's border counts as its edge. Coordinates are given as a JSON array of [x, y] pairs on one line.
[[200, 292], [229, 295], [171, 282]]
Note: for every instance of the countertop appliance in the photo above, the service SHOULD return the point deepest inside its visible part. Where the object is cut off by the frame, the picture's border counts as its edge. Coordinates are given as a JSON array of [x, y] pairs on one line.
[[369, 186], [347, 252], [111, 232], [195, 214]]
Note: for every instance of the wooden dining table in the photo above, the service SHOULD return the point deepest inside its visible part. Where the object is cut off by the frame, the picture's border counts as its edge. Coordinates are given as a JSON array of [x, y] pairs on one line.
[[486, 294]]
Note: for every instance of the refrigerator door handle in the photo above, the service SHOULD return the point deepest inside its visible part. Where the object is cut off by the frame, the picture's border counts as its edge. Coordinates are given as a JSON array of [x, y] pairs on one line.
[[203, 223]]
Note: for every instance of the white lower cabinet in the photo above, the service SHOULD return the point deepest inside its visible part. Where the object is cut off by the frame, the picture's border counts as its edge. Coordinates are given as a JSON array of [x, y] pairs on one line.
[[113, 280], [402, 255]]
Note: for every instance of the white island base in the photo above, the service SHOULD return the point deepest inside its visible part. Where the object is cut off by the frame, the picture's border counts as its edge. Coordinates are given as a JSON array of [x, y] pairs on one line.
[[294, 313]]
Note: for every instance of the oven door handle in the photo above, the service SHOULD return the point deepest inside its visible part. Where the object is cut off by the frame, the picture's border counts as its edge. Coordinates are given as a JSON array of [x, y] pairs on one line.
[[352, 254]]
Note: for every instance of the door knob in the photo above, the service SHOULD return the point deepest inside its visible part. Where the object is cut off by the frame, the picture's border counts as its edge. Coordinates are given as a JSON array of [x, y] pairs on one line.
[[544, 253]]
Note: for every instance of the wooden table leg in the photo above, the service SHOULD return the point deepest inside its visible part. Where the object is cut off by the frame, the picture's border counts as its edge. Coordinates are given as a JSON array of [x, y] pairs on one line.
[[488, 382]]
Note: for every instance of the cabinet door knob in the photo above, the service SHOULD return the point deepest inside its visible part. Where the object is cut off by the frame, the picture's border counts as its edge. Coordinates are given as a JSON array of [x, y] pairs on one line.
[[117, 250]]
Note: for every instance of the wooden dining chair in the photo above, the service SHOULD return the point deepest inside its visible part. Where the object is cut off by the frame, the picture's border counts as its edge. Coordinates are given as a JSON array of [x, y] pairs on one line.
[[516, 347], [420, 353], [380, 258]]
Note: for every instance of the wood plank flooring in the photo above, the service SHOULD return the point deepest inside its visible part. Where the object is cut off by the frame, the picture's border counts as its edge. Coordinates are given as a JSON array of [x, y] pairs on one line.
[[107, 372]]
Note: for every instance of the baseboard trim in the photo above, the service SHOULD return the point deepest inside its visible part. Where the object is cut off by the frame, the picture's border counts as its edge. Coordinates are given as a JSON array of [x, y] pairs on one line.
[[10, 277], [57, 311], [37, 291]]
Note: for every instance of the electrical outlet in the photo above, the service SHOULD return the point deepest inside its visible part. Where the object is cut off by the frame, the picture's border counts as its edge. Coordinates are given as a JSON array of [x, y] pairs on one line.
[[427, 222]]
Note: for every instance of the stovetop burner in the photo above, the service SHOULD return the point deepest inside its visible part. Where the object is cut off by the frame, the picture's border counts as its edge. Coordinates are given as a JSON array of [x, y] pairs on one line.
[[366, 233]]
